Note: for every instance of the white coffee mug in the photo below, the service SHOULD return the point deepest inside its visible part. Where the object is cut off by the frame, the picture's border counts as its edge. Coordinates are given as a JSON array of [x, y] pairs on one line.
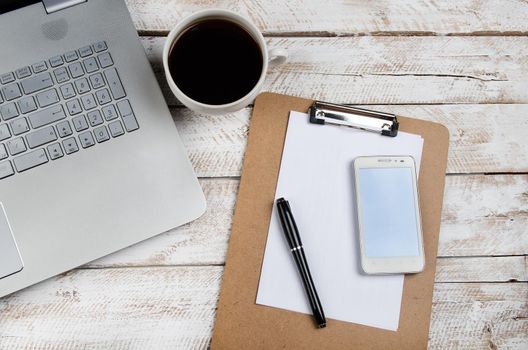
[[270, 58]]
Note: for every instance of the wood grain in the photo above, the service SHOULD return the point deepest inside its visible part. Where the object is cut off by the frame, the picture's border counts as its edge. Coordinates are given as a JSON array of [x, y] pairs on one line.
[[151, 308], [482, 269], [340, 18], [174, 308], [483, 138], [392, 70], [483, 215], [479, 316]]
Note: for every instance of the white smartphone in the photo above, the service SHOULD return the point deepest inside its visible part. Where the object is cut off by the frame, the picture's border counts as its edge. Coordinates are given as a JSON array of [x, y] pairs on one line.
[[388, 215]]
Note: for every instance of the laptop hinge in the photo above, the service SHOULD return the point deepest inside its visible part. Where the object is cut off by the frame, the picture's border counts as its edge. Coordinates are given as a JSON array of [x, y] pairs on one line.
[[57, 5]]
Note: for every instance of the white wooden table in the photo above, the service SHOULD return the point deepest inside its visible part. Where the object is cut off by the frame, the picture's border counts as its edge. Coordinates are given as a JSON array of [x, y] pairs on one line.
[[462, 63]]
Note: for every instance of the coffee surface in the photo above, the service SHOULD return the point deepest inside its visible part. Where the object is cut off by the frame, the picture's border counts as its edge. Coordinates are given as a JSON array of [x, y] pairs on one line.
[[215, 62]]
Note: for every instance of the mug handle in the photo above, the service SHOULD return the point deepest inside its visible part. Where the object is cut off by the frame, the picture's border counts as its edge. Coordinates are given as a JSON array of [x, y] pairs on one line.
[[277, 57]]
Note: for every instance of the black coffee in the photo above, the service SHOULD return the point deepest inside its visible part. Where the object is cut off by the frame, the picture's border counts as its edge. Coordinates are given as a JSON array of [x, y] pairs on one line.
[[215, 62]]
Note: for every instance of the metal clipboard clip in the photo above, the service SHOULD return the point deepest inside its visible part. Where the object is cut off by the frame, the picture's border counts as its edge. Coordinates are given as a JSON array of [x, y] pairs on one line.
[[384, 123]]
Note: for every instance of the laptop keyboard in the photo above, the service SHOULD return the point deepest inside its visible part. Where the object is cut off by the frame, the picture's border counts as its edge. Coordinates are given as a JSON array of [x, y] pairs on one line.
[[57, 107]]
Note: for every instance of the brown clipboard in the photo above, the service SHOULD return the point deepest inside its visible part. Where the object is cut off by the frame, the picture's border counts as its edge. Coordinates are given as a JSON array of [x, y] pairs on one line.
[[241, 323]]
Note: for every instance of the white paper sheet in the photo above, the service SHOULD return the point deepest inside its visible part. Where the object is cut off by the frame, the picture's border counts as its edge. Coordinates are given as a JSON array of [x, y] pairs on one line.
[[316, 177]]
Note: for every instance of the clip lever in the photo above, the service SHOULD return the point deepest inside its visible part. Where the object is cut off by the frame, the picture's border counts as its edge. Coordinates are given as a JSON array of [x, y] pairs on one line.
[[384, 123]]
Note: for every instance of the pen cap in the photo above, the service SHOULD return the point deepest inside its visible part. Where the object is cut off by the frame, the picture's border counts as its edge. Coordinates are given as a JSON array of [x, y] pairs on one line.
[[288, 224]]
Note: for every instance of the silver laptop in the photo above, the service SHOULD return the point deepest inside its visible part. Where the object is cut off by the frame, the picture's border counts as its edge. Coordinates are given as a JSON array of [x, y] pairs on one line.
[[90, 159]]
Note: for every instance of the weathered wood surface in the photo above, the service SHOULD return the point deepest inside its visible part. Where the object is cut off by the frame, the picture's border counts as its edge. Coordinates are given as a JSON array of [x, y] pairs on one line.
[[463, 64], [479, 316], [482, 215], [483, 138], [340, 18], [174, 308], [393, 70], [482, 269]]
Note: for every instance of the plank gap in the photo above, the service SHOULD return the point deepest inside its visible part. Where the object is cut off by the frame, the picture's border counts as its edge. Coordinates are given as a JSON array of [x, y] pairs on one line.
[[481, 282], [481, 256], [327, 34], [103, 267]]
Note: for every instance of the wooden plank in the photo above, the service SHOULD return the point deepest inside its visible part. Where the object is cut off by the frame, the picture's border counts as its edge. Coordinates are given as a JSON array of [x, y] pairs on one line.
[[215, 144], [479, 316], [393, 70], [297, 17], [482, 269], [174, 307], [483, 215], [151, 308], [483, 138]]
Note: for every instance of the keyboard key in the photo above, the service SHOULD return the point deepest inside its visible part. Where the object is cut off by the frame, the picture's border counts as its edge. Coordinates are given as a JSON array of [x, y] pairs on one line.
[[124, 108], [16, 146], [39, 67], [79, 123], [3, 152], [105, 60], [103, 96], [11, 91], [130, 122], [19, 126], [100, 46], [109, 112], [86, 139], [46, 116], [8, 111], [97, 80], [74, 107], [116, 128], [70, 145], [37, 83], [4, 132], [67, 91], [55, 151], [82, 86], [64, 129], [7, 78], [76, 70], [27, 104], [30, 160], [88, 101], [56, 61], [6, 169], [47, 98], [85, 51], [71, 56], [41, 137], [61, 74], [90, 65], [114, 83], [101, 134], [23, 72], [95, 118]]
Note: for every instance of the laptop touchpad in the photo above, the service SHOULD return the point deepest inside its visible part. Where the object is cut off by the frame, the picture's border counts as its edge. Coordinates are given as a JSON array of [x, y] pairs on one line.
[[10, 260]]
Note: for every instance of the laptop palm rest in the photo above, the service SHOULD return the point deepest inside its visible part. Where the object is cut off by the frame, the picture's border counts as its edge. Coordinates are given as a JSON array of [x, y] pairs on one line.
[[10, 259]]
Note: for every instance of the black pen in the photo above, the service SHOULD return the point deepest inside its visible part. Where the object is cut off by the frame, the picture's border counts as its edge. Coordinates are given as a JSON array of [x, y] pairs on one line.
[[294, 241]]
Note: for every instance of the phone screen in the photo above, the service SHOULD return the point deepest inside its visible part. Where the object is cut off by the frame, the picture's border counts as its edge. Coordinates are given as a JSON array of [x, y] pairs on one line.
[[388, 212]]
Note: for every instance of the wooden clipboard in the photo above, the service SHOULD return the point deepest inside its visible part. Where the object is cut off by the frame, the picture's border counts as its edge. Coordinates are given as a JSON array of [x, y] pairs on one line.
[[241, 323]]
